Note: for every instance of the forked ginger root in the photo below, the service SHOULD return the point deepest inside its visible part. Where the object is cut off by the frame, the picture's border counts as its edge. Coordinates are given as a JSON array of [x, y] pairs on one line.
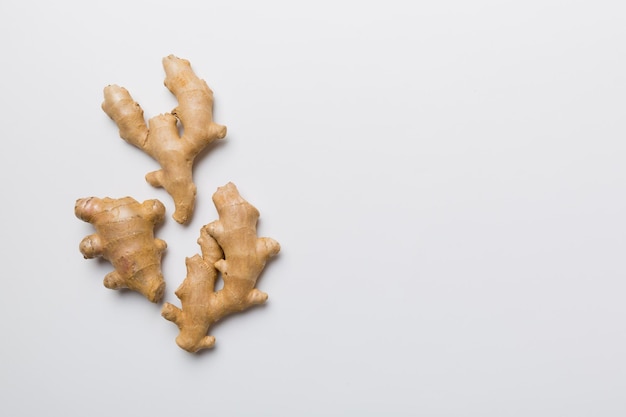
[[229, 245], [160, 138], [125, 237]]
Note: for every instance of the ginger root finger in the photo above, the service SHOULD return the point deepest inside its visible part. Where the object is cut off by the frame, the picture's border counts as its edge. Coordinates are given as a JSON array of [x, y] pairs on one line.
[[229, 245], [160, 139]]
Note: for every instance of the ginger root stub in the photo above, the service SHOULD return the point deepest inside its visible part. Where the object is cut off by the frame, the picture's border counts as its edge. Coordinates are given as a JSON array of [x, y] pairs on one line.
[[125, 237]]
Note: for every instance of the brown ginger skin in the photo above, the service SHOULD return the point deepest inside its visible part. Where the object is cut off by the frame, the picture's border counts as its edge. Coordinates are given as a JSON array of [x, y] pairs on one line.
[[125, 237], [160, 138], [244, 256]]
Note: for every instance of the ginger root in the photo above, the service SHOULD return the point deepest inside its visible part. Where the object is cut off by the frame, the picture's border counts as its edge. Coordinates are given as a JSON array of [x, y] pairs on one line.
[[125, 237], [229, 245], [160, 138]]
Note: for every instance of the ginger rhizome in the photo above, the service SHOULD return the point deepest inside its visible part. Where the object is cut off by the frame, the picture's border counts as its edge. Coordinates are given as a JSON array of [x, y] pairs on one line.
[[229, 245], [160, 137], [125, 237]]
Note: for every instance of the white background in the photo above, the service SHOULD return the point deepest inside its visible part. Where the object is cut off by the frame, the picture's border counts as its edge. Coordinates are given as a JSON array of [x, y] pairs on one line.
[[446, 179]]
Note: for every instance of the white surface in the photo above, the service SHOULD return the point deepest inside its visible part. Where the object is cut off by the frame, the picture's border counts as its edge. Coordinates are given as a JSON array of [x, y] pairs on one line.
[[446, 180]]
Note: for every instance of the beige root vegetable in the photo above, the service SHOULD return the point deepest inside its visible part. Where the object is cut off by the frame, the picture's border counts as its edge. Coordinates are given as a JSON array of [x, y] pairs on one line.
[[229, 245], [160, 138], [125, 237]]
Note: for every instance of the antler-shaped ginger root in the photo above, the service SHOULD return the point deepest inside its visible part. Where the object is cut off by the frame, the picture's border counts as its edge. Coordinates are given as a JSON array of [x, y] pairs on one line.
[[160, 138], [245, 255], [125, 237]]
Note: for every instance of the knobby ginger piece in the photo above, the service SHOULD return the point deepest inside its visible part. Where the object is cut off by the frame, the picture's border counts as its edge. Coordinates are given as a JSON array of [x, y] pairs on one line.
[[125, 237], [229, 245], [160, 138]]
